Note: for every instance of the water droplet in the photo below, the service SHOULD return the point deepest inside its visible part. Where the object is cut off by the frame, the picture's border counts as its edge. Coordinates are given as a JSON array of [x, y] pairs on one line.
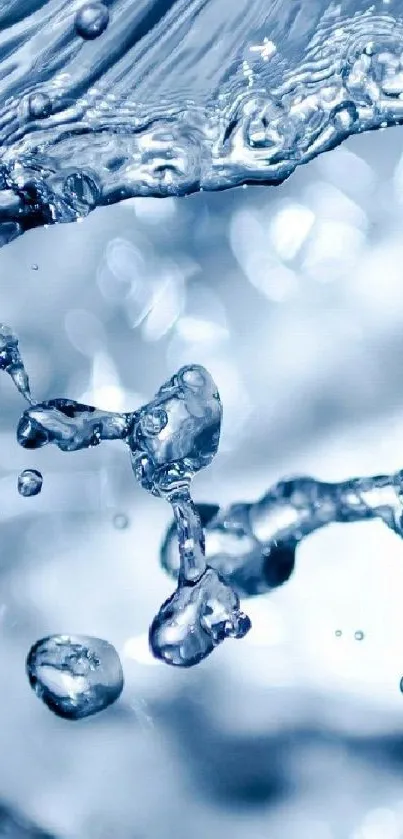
[[91, 20], [401, 685], [34, 266], [338, 633], [359, 635], [39, 105], [197, 618], [120, 521], [75, 675], [29, 482]]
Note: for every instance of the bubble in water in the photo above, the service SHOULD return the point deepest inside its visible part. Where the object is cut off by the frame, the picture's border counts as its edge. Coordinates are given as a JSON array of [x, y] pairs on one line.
[[359, 635], [120, 521], [39, 105], [29, 482], [75, 675], [91, 20]]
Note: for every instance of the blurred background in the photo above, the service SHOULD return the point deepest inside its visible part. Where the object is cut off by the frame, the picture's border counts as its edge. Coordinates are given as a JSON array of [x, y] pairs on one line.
[[293, 299]]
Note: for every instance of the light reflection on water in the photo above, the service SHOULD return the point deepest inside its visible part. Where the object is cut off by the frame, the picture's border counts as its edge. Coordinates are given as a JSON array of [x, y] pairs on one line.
[[294, 299]]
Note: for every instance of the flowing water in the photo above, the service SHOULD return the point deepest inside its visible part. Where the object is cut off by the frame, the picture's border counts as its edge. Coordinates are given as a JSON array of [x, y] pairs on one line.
[[100, 102]]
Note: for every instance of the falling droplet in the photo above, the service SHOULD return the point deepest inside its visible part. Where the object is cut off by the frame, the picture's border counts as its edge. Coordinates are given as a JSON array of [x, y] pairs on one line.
[[11, 361], [75, 675], [39, 105], [91, 21], [29, 482], [120, 521], [359, 635]]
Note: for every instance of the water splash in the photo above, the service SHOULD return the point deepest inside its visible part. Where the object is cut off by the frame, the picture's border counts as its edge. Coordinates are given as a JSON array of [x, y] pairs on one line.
[[29, 482], [75, 675], [252, 546], [170, 439], [171, 97]]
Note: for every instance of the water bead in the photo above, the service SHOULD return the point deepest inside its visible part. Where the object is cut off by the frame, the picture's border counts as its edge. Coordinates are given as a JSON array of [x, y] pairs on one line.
[[39, 106], [359, 635], [29, 482], [195, 619], [91, 20], [120, 521], [75, 675]]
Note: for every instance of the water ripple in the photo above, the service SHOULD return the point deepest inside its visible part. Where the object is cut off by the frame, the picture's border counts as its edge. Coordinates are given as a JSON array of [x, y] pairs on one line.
[[174, 96]]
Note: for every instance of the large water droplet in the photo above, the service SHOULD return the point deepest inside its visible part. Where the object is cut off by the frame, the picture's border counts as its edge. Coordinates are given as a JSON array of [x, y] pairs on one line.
[[195, 619], [92, 20], [29, 482], [75, 675]]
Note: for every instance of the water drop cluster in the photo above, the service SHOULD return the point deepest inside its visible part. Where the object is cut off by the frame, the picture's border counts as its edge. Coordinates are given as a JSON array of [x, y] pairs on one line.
[[216, 556]]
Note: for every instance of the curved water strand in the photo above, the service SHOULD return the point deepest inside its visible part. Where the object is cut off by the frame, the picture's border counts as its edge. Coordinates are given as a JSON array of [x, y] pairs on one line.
[[173, 96], [170, 439], [252, 546]]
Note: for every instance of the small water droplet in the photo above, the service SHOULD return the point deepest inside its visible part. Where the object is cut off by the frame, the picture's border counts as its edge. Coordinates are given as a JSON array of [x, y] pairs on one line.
[[34, 266], [359, 635], [338, 633], [91, 20], [401, 685], [39, 105], [120, 521], [29, 482], [75, 675]]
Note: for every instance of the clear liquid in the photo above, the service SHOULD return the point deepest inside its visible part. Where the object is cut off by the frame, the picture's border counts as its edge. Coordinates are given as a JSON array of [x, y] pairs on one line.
[[173, 97]]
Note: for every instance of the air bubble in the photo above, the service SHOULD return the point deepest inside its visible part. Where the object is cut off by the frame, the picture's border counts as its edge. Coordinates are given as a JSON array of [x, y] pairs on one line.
[[75, 675], [153, 421], [359, 635], [120, 521], [30, 482], [91, 21], [39, 105]]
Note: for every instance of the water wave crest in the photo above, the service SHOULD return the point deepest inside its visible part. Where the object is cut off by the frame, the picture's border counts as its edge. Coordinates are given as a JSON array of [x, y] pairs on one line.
[[179, 95]]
